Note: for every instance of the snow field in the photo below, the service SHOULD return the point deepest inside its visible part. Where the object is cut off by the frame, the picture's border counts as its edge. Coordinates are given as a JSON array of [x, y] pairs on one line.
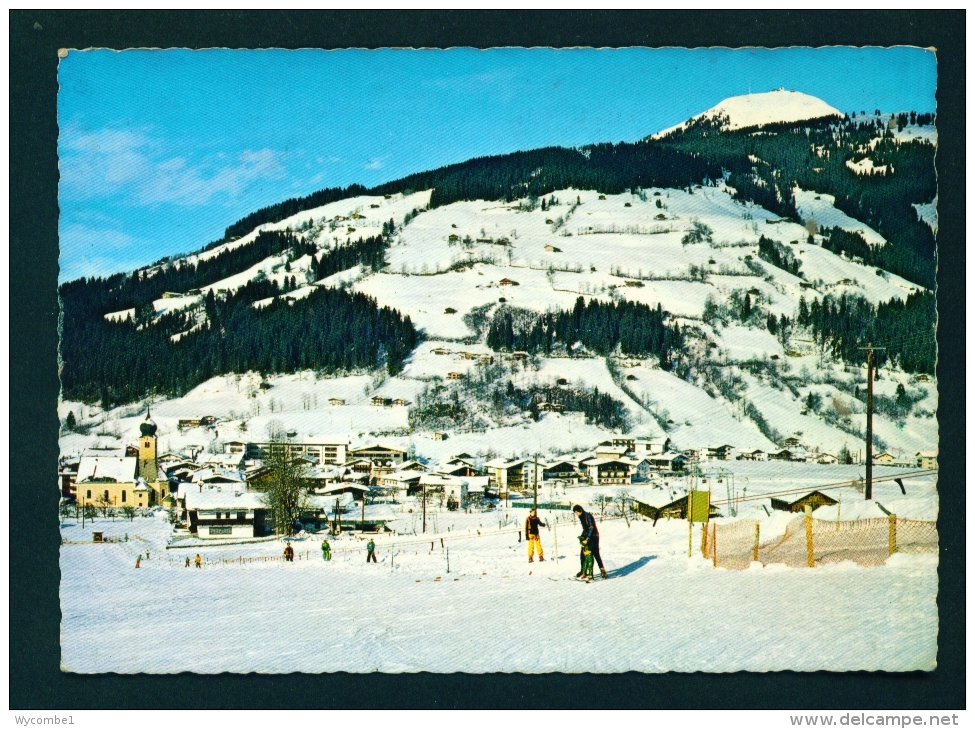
[[588, 373], [820, 207], [698, 419], [397, 617], [738, 342]]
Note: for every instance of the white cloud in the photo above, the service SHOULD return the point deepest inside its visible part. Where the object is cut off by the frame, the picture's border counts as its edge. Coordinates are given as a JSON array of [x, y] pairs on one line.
[[138, 168], [176, 181]]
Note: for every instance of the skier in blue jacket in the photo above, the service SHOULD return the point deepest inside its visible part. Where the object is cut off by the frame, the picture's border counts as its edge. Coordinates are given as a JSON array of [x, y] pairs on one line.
[[590, 536]]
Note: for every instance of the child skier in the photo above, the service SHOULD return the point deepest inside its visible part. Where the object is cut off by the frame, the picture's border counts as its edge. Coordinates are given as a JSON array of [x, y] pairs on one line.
[[371, 552], [326, 550], [532, 536], [289, 553], [198, 561], [587, 561], [187, 561], [591, 534]]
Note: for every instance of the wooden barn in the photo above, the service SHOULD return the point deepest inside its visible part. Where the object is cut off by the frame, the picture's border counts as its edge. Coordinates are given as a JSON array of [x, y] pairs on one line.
[[815, 499]]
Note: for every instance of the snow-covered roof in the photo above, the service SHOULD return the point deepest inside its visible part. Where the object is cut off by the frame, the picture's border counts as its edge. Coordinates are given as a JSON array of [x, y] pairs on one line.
[[559, 462], [440, 479], [120, 470], [225, 459], [373, 446], [337, 487], [220, 499], [604, 461], [476, 483], [209, 475], [615, 450], [657, 498], [405, 465], [669, 456], [403, 476], [504, 463], [325, 472], [326, 502]]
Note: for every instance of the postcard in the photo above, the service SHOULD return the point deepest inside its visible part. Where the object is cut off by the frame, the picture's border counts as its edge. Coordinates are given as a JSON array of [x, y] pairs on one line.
[[507, 360]]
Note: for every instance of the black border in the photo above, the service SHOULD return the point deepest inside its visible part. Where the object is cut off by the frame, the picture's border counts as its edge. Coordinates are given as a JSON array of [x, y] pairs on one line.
[[35, 679]]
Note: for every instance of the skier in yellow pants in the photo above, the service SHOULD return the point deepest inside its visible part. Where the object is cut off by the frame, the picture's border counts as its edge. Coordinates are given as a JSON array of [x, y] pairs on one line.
[[532, 523]]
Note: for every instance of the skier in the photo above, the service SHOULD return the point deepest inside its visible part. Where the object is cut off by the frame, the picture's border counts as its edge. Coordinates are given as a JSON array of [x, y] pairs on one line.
[[533, 537], [137, 560], [326, 550], [371, 552], [587, 560], [289, 553], [187, 561], [198, 561], [591, 534]]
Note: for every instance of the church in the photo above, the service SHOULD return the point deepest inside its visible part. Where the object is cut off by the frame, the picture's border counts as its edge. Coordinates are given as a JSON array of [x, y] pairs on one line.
[[119, 480]]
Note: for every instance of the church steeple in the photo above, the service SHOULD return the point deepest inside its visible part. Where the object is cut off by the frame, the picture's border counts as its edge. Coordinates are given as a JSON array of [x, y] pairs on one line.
[[147, 426], [147, 449]]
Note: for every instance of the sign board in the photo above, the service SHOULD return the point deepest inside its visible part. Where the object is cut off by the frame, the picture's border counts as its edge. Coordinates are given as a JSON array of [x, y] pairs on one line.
[[700, 505]]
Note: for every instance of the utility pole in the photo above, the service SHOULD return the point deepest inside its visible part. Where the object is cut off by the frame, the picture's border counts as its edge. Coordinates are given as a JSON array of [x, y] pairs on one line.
[[424, 508], [536, 483], [868, 491]]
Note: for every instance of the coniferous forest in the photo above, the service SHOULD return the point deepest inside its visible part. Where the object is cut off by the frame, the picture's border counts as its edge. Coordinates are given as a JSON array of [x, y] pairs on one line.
[[636, 328], [905, 328], [329, 330]]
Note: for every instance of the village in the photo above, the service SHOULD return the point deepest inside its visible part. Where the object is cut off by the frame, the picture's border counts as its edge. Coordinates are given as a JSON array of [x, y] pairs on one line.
[[357, 489], [387, 541]]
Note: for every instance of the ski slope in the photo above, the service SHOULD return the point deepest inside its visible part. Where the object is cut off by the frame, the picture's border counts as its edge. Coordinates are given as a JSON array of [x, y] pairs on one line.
[[408, 613]]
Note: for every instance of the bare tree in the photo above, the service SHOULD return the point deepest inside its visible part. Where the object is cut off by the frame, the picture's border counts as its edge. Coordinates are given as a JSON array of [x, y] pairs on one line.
[[104, 503], [622, 503], [286, 497]]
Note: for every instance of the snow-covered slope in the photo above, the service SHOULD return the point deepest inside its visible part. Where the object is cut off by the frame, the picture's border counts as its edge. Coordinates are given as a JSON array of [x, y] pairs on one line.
[[751, 110], [451, 267]]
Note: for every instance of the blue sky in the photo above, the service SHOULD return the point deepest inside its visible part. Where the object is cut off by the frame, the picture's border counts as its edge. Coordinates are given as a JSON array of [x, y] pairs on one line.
[[161, 150]]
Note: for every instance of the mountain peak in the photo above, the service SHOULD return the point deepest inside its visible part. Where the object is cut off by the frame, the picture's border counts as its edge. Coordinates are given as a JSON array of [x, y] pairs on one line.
[[770, 107]]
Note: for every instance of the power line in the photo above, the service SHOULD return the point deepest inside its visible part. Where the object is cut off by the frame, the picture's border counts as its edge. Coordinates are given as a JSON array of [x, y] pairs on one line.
[[919, 473]]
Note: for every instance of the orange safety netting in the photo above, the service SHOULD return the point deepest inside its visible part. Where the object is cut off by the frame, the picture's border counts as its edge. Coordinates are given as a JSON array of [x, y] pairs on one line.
[[868, 542]]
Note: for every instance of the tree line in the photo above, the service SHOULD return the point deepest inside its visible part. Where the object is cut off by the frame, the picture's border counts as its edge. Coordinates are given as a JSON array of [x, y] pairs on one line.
[[98, 296], [292, 206], [906, 327], [609, 168], [636, 328]]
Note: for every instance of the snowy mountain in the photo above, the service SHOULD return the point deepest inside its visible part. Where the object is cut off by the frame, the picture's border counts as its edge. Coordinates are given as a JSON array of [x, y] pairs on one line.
[[751, 110], [722, 301]]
